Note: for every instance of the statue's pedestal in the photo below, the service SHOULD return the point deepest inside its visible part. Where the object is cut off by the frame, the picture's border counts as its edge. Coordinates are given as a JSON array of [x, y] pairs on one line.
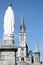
[[8, 40], [8, 50]]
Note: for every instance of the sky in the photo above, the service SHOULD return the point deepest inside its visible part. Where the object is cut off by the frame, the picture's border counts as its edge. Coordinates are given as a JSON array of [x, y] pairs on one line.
[[32, 10]]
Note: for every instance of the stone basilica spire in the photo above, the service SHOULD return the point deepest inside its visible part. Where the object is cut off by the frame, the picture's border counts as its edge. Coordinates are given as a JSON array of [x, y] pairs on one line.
[[36, 46], [23, 48], [22, 33], [22, 25], [36, 53]]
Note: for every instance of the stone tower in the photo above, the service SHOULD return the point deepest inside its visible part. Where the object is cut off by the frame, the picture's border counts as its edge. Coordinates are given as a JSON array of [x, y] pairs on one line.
[[23, 49], [36, 53]]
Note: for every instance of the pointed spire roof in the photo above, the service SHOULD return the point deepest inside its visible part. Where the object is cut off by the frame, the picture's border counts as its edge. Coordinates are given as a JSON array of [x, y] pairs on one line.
[[22, 25], [22, 21], [36, 46]]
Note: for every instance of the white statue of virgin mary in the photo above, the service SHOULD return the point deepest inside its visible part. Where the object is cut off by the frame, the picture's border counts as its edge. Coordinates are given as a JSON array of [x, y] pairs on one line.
[[9, 21]]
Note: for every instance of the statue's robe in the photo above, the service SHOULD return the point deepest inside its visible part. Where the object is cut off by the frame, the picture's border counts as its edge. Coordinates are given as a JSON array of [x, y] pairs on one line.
[[9, 21]]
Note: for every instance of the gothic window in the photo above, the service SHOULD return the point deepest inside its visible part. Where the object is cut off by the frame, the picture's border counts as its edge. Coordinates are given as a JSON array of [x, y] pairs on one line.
[[22, 37], [22, 49], [36, 59]]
